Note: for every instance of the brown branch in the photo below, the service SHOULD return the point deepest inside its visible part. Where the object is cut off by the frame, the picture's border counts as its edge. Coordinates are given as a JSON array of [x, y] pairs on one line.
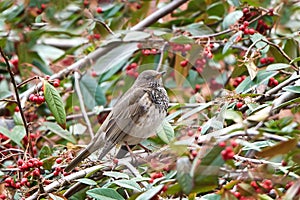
[[26, 81], [12, 78]]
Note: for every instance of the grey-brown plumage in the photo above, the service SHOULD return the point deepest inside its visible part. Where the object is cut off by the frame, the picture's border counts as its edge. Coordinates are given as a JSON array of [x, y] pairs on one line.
[[135, 117]]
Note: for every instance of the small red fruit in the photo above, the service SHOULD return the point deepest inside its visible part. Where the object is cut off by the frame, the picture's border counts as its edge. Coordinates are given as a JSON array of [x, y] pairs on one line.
[[222, 144], [271, 59], [190, 133], [245, 10], [99, 10], [184, 63], [58, 160], [263, 60], [239, 104], [17, 109], [246, 23], [251, 31], [56, 83], [94, 74]]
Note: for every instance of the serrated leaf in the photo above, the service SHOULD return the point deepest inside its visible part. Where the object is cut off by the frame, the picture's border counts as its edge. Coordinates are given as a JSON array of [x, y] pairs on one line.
[[136, 35], [165, 132], [281, 148], [150, 193], [104, 194], [91, 92], [55, 103], [87, 181], [59, 131], [129, 184], [184, 177], [293, 89], [116, 175], [232, 18], [277, 66], [16, 134], [182, 40]]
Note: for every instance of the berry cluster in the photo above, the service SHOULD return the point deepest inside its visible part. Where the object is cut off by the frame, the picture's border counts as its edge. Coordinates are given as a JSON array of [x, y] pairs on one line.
[[95, 36], [183, 48], [155, 176], [238, 80], [147, 52], [265, 186], [272, 82], [31, 169], [228, 153], [200, 64], [207, 51], [36, 98], [245, 29], [131, 70], [266, 60]]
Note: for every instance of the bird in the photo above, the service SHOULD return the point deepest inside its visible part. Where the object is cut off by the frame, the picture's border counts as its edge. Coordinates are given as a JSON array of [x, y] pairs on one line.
[[135, 116]]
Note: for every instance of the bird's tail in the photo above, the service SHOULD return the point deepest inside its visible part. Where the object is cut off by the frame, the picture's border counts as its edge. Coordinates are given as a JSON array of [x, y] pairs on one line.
[[81, 156], [97, 143]]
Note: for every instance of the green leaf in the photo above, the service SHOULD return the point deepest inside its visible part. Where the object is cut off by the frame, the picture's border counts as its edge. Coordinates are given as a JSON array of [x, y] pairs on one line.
[[231, 41], [116, 175], [45, 152], [91, 92], [293, 89], [182, 40], [198, 29], [59, 131], [122, 52], [234, 3], [280, 148], [264, 47], [104, 194], [277, 66], [184, 177], [55, 103], [54, 197], [129, 184], [216, 9], [232, 18], [207, 173], [211, 197], [16, 134], [150, 193], [233, 115], [136, 35], [87, 181], [165, 132]]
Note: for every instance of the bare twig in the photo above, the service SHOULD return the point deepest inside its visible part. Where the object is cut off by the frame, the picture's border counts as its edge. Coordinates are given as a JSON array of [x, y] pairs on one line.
[[12, 78], [162, 51], [26, 81], [81, 102]]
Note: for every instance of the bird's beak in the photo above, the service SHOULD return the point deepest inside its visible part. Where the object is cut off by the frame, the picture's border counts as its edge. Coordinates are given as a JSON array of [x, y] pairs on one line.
[[160, 74]]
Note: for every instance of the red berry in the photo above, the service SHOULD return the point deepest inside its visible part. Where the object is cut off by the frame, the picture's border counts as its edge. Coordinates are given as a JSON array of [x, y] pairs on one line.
[[99, 10], [36, 172], [43, 6], [275, 82], [209, 55], [263, 60], [58, 169], [197, 87], [97, 36], [31, 96], [153, 51], [194, 153], [239, 104], [187, 47], [2, 196], [20, 162], [233, 143], [151, 180], [56, 83], [190, 133], [8, 180], [271, 11], [270, 59], [86, 2], [58, 160], [222, 144], [76, 108], [164, 188], [245, 10], [237, 194], [146, 52], [17, 109], [56, 173], [138, 6], [251, 31], [184, 63], [24, 181], [246, 23], [284, 163], [254, 184], [246, 31], [15, 62], [47, 77], [94, 74], [134, 65], [242, 28]]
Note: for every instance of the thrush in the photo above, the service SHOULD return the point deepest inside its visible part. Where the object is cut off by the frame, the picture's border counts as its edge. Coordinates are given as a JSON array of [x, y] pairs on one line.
[[134, 117]]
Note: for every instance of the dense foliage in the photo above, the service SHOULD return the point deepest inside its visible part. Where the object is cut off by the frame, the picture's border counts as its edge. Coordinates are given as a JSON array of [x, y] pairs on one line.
[[232, 128]]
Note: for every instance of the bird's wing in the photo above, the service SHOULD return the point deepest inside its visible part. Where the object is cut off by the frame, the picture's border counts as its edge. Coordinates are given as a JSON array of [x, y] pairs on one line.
[[124, 116]]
